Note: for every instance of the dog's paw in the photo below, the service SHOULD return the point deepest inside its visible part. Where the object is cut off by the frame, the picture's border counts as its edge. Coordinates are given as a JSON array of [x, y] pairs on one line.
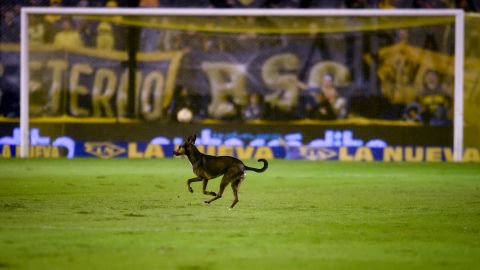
[[190, 189], [207, 202], [213, 193]]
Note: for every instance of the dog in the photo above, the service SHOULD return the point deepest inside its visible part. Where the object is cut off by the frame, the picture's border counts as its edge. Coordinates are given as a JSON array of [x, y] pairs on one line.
[[207, 167]]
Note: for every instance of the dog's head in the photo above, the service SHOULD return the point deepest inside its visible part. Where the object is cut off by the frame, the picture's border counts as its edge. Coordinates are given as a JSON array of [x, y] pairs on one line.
[[185, 147]]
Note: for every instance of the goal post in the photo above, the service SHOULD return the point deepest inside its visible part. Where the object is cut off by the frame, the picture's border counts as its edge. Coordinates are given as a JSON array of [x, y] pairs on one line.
[[458, 90], [456, 15]]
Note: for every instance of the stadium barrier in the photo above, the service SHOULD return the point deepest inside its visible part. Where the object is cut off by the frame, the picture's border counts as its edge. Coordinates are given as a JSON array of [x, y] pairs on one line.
[[336, 143]]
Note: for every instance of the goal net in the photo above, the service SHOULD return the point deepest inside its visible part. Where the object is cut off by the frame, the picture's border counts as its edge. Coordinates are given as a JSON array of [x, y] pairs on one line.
[[125, 74], [472, 82]]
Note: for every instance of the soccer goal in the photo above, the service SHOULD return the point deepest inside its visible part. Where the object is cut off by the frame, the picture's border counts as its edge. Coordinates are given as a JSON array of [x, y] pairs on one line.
[[112, 66]]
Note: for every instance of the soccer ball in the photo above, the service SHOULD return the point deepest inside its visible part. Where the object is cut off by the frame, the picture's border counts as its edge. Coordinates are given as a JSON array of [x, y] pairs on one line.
[[185, 115]]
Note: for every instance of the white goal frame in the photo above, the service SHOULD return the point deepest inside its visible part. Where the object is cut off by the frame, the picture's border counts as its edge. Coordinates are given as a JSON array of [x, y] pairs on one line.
[[458, 65]]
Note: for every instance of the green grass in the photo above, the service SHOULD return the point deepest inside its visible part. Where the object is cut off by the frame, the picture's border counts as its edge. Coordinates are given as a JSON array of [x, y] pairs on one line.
[[138, 214]]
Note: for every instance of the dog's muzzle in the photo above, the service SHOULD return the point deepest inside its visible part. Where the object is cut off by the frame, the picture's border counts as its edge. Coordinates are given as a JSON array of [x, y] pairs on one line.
[[178, 152]]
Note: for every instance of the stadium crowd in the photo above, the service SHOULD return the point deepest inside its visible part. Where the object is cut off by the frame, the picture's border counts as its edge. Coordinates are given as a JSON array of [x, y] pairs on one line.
[[10, 9], [324, 102], [467, 5]]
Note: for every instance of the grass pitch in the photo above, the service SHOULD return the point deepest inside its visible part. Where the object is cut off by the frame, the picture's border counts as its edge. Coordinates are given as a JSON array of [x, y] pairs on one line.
[[138, 214]]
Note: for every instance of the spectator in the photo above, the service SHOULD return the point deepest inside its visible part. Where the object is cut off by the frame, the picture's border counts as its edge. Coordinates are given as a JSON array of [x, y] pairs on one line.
[[149, 3], [468, 5], [358, 4], [440, 116], [255, 108], [37, 3], [85, 27], [431, 4], [433, 95], [432, 84], [387, 4], [322, 109], [36, 30], [10, 28], [412, 113], [306, 100], [68, 36], [339, 103], [9, 100], [200, 103], [150, 36], [322, 4], [181, 101], [53, 22], [82, 3], [105, 39], [118, 31], [9, 96], [186, 3], [112, 4]]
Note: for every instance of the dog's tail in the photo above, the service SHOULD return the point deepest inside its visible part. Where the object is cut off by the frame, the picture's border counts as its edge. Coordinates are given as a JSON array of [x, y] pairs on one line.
[[265, 166]]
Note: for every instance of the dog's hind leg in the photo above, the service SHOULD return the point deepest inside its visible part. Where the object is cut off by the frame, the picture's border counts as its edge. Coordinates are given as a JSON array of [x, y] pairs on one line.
[[205, 182], [235, 188], [191, 180]]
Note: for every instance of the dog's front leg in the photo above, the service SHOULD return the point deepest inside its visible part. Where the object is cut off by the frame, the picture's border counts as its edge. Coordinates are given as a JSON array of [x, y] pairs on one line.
[[205, 182], [223, 184], [191, 180]]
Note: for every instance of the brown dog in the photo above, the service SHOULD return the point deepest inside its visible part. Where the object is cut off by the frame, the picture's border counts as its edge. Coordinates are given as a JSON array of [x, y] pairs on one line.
[[208, 167]]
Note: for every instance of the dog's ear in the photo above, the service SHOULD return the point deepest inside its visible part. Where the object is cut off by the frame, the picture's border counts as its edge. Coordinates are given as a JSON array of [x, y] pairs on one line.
[[193, 138]]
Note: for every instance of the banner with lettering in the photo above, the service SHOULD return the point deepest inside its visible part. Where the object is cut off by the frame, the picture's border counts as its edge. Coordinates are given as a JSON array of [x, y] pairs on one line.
[[334, 144], [138, 150], [87, 83]]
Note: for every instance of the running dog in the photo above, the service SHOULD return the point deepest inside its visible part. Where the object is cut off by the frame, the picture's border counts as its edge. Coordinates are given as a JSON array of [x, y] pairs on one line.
[[207, 167]]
